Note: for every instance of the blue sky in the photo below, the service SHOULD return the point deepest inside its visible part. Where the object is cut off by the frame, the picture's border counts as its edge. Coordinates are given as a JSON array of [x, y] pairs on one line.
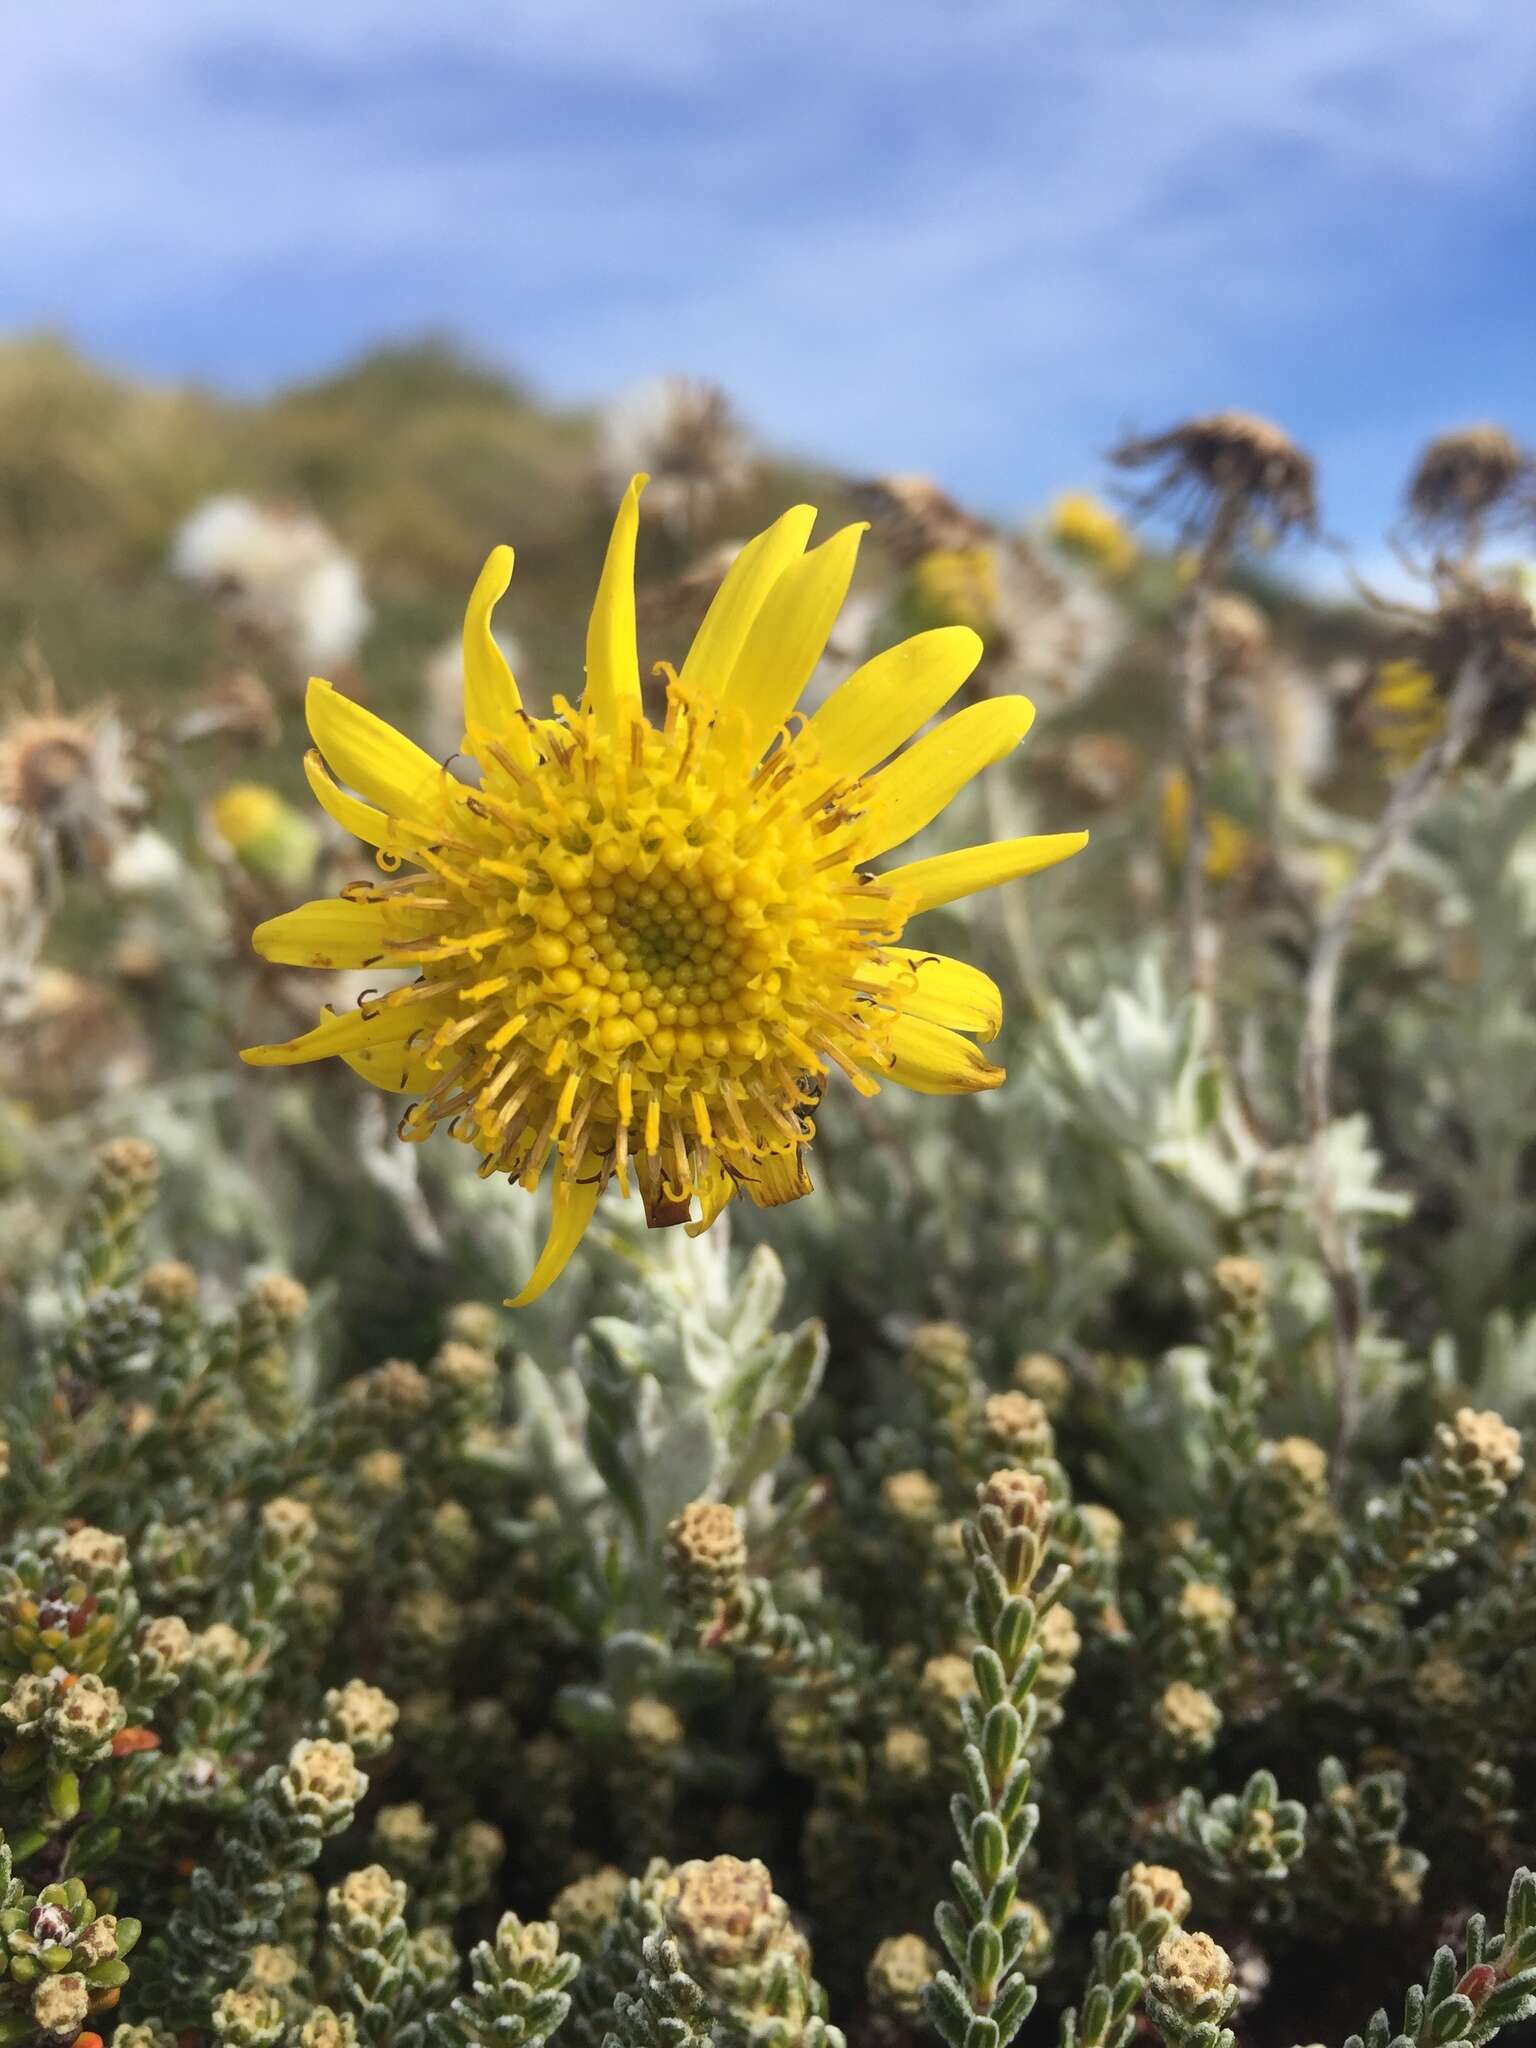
[[973, 237]]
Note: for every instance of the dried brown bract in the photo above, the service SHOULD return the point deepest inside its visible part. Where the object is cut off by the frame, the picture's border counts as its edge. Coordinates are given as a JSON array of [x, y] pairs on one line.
[[1462, 479], [911, 517], [1226, 463]]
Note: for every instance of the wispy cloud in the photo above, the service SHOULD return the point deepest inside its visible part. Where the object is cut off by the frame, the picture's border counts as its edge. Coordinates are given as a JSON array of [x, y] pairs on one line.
[[967, 235]]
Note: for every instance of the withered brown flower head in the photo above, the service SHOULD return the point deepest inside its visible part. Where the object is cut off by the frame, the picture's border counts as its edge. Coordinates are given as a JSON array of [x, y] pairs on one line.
[[911, 517], [1498, 627], [684, 434], [1463, 477], [1226, 461]]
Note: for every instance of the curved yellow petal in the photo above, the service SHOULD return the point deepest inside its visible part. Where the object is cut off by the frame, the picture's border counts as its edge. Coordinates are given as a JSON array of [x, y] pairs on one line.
[[891, 697], [572, 1212], [393, 1069], [613, 659], [379, 763], [780, 1177], [492, 701], [934, 1061], [786, 639], [907, 795], [348, 1031], [740, 597], [925, 884], [714, 1188], [949, 992], [364, 821], [333, 933]]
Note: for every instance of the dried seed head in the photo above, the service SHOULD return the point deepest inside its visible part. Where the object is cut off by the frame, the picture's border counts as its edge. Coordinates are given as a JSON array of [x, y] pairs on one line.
[[60, 2004], [1495, 627], [288, 1522], [906, 1754], [911, 517], [1189, 1717], [1161, 1887], [910, 1496], [91, 1553], [685, 435], [222, 1648], [899, 1969], [1205, 1606], [283, 1298], [325, 2028], [380, 1473], [403, 1834], [367, 1899], [1059, 1640], [1105, 1529], [1227, 465], [82, 1722], [1241, 1284], [583, 1910], [526, 1947], [948, 1679], [1019, 1425], [169, 1284], [1044, 1379], [464, 1368], [707, 1552], [167, 1641], [652, 1726], [725, 1913], [1189, 1967], [1461, 478], [271, 1967], [322, 1779], [128, 1163], [1300, 1463], [396, 1388], [1022, 1498], [1482, 1443], [475, 1322], [361, 1716]]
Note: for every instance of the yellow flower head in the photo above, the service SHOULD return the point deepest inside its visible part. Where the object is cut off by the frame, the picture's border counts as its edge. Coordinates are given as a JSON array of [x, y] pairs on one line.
[[245, 812], [1080, 523], [640, 948], [1405, 712], [276, 842], [1230, 849], [959, 585]]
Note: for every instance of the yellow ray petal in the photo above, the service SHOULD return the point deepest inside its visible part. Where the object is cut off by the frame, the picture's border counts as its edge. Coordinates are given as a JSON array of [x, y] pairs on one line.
[[350, 1031], [333, 933], [572, 1212], [379, 763], [925, 884], [949, 992], [740, 598], [492, 701], [364, 821], [890, 698], [903, 798], [613, 660], [934, 1061], [392, 1068], [786, 639], [780, 1177], [714, 1188]]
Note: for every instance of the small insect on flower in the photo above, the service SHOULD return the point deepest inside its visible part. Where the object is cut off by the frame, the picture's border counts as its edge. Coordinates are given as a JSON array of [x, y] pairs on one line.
[[641, 947]]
